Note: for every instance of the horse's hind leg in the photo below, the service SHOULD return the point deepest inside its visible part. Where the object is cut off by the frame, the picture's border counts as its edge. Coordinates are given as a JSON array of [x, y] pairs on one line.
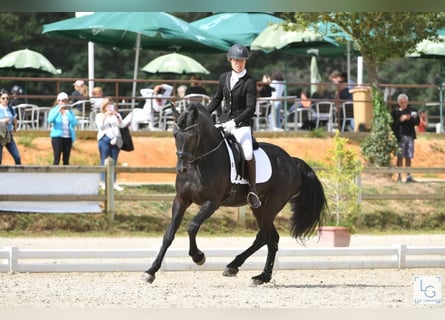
[[272, 248], [266, 235], [179, 207], [207, 209]]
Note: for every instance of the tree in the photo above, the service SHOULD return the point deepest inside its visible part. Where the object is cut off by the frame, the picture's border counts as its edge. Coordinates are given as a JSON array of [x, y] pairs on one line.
[[380, 37]]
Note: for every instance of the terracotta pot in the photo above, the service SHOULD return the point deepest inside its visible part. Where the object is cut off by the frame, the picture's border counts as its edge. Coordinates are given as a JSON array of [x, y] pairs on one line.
[[334, 236]]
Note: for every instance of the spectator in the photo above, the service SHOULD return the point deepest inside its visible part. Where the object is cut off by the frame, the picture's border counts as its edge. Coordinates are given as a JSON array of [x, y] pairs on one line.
[[181, 91], [405, 119], [340, 80], [156, 100], [8, 125], [62, 134], [109, 138], [196, 86], [321, 93], [304, 102], [80, 93], [97, 98], [264, 89], [15, 98], [423, 121], [279, 85]]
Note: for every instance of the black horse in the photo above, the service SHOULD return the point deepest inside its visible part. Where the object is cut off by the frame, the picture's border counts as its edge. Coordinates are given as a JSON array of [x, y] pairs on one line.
[[203, 178]]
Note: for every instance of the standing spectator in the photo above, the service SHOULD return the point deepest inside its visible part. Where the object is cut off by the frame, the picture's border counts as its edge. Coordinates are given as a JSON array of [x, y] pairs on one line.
[[404, 119], [423, 121], [62, 134], [279, 85], [264, 89], [8, 124], [108, 122]]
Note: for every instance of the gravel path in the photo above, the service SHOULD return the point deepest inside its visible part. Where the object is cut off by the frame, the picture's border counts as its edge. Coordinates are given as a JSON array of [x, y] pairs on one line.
[[378, 288]]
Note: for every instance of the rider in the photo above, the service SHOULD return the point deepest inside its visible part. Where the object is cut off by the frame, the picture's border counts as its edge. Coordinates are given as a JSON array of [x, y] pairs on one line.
[[238, 89]]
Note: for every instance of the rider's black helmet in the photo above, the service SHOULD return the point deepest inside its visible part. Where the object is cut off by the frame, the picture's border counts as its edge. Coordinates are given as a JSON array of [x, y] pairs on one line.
[[239, 52], [16, 89]]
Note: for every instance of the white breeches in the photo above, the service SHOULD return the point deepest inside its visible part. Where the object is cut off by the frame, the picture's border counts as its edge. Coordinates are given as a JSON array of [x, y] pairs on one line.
[[244, 136]]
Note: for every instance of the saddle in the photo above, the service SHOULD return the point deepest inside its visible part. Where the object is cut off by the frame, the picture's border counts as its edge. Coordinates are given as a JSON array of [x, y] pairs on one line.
[[238, 156]]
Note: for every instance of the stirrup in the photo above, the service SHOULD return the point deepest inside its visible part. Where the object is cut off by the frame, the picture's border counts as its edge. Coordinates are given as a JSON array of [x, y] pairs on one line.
[[253, 200]]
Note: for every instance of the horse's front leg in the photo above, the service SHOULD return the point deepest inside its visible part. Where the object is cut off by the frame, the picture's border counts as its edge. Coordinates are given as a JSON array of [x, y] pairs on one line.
[[207, 209], [179, 207]]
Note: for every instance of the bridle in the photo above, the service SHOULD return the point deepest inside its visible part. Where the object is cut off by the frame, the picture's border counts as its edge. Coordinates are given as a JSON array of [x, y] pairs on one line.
[[191, 157]]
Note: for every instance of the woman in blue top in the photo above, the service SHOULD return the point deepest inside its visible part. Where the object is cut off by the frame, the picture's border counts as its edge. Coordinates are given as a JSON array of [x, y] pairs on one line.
[[8, 125], [62, 133]]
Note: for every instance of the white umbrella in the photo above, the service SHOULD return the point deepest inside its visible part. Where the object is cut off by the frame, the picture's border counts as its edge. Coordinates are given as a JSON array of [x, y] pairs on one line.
[[315, 74], [174, 63]]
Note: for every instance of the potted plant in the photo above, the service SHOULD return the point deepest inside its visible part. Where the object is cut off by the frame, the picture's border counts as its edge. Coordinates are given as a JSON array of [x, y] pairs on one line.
[[338, 176]]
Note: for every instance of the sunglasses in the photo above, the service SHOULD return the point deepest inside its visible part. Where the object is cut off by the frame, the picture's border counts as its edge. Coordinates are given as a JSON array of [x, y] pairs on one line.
[[5, 98]]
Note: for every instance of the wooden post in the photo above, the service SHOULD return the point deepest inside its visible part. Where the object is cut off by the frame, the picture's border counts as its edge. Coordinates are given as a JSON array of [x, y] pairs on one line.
[[109, 190], [241, 213]]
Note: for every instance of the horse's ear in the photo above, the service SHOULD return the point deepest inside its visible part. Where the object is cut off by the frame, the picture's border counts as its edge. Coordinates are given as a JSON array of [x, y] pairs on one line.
[[175, 111]]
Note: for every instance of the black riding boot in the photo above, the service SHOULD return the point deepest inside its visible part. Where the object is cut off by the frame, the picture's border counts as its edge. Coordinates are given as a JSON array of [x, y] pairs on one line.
[[252, 197]]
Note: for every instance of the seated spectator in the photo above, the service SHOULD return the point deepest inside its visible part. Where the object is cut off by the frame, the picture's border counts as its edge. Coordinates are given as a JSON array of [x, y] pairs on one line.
[[80, 93], [181, 91], [157, 98], [322, 93], [97, 98], [16, 99], [196, 86]]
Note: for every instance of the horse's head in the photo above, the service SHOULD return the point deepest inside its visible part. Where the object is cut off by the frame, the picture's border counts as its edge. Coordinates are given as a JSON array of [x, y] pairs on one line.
[[194, 134]]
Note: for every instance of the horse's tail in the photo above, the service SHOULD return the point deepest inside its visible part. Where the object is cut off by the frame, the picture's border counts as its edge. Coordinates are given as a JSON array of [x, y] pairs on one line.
[[309, 205]]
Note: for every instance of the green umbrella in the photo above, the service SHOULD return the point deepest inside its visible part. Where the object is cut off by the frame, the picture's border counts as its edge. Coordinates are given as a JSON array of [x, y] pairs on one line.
[[236, 27], [147, 30], [157, 30], [174, 63], [27, 60]]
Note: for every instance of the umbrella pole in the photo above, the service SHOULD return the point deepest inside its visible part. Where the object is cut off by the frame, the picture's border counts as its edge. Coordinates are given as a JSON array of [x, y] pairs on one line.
[[135, 72], [90, 68]]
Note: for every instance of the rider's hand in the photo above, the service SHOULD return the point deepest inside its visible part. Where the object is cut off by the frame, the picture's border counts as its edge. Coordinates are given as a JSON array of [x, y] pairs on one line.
[[229, 126]]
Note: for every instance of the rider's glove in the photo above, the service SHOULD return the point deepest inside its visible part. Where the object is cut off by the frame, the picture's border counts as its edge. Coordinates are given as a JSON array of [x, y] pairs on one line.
[[229, 126]]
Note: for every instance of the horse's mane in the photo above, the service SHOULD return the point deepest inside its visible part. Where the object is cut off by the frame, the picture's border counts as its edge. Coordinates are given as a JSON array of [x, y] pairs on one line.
[[191, 115]]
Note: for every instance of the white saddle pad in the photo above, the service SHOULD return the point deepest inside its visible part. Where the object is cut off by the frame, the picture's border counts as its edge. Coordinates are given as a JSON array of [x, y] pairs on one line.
[[263, 167]]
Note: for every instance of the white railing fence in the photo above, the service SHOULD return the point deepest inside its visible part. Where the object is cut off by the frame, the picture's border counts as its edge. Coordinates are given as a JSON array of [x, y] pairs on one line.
[[14, 259]]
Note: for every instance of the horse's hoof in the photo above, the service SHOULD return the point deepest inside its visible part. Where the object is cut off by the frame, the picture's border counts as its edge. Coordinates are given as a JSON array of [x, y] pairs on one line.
[[230, 272], [199, 259], [260, 279], [149, 278]]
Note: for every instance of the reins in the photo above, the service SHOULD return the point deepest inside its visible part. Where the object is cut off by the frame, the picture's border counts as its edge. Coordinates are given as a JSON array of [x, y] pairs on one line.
[[194, 158]]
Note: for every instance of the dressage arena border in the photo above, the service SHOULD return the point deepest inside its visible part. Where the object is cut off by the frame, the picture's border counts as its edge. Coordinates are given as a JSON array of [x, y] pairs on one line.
[[14, 259]]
